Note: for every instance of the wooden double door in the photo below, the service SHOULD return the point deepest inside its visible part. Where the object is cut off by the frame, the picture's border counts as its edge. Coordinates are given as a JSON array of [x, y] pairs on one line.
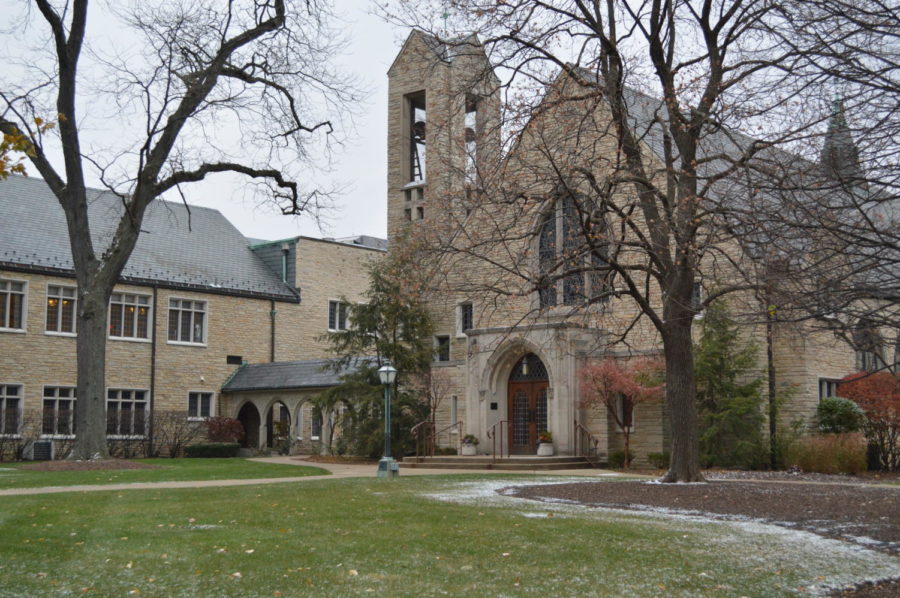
[[527, 411]]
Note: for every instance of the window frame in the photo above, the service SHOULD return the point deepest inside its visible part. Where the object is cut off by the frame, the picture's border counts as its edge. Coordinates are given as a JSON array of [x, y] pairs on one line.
[[146, 401], [620, 413], [59, 312], [316, 418], [438, 338], [212, 405], [346, 315], [550, 251], [461, 308], [181, 308], [5, 298], [828, 382], [137, 305], [56, 398], [20, 399]]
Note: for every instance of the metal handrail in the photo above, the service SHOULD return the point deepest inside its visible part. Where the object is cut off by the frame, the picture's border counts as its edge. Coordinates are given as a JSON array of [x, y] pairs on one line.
[[436, 437], [423, 440], [586, 444], [491, 433]]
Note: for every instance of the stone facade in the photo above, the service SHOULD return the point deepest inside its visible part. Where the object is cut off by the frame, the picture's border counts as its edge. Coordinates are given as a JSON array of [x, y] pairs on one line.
[[448, 79], [230, 328]]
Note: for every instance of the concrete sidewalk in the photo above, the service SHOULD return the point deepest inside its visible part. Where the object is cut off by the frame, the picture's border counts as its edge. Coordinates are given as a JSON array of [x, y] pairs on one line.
[[338, 470]]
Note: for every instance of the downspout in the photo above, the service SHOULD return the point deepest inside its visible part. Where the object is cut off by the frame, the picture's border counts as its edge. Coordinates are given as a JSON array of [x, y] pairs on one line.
[[152, 370], [773, 399], [272, 313], [285, 251]]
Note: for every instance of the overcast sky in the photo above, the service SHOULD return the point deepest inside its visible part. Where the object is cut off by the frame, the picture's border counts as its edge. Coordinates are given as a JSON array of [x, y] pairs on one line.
[[359, 167]]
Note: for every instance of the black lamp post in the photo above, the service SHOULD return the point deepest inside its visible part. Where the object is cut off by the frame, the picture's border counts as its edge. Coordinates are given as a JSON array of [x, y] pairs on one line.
[[387, 467]]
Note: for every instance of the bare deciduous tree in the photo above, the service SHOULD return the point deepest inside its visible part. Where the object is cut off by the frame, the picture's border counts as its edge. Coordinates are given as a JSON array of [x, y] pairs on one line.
[[195, 88]]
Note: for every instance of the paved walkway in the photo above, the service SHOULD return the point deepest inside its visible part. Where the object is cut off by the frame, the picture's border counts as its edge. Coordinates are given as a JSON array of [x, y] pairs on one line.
[[338, 470]]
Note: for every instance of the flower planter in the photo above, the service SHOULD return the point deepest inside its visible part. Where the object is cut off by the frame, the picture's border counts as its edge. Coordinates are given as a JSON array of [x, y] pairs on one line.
[[545, 449], [469, 450]]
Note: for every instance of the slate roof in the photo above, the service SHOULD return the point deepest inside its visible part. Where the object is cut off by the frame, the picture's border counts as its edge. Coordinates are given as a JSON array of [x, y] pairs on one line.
[[285, 375], [192, 248], [364, 241]]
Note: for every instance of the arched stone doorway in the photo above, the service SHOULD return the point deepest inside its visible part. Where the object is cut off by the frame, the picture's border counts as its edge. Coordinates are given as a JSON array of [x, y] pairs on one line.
[[249, 417], [278, 424], [527, 393]]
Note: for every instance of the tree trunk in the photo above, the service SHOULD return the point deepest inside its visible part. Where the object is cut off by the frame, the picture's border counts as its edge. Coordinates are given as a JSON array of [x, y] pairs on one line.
[[627, 435], [681, 392], [90, 405]]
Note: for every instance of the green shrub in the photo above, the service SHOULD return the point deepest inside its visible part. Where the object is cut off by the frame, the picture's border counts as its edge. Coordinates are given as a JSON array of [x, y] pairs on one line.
[[212, 450], [838, 416], [659, 460], [785, 440], [829, 453], [445, 450], [617, 459]]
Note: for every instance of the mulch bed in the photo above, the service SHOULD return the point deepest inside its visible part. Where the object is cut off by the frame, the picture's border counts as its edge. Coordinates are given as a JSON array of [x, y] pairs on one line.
[[98, 465], [844, 511]]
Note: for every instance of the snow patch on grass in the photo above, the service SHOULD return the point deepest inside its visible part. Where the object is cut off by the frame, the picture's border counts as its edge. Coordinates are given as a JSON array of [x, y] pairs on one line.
[[821, 564]]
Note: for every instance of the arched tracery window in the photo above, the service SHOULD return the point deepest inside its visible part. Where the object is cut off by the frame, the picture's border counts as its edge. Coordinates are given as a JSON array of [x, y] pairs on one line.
[[573, 252]]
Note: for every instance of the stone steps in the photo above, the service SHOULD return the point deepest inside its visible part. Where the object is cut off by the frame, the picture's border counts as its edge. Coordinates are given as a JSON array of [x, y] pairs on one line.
[[514, 463]]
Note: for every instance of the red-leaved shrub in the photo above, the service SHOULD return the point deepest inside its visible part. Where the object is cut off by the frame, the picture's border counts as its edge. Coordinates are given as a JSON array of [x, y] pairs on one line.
[[878, 394], [224, 429]]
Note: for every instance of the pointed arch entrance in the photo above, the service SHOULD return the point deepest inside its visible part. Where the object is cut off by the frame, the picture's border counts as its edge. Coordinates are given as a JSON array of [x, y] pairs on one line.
[[527, 390], [249, 417]]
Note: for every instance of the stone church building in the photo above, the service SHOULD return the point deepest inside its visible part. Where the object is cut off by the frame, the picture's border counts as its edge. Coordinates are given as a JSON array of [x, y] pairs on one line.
[[206, 322], [512, 337]]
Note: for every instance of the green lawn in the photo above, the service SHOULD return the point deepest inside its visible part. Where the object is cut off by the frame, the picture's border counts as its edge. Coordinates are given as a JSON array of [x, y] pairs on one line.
[[353, 537], [170, 470]]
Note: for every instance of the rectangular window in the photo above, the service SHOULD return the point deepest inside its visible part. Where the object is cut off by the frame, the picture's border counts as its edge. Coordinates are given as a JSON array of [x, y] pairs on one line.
[[58, 411], [187, 321], [200, 405], [827, 388], [626, 413], [10, 409], [315, 428], [60, 309], [129, 316], [337, 316], [12, 304], [465, 317], [869, 360], [442, 348], [126, 412], [697, 297]]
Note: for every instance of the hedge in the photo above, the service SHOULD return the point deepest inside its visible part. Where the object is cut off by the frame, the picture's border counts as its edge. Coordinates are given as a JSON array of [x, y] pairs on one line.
[[212, 450]]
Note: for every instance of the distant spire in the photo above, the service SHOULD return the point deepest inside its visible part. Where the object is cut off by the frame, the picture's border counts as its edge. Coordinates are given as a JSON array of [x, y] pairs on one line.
[[840, 157]]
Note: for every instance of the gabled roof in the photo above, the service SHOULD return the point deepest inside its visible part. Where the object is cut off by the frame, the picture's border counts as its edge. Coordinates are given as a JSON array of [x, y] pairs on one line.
[[286, 375], [445, 50], [367, 241], [179, 246]]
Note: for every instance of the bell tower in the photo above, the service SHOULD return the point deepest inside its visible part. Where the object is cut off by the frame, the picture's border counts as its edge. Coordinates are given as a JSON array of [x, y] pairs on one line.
[[442, 98]]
